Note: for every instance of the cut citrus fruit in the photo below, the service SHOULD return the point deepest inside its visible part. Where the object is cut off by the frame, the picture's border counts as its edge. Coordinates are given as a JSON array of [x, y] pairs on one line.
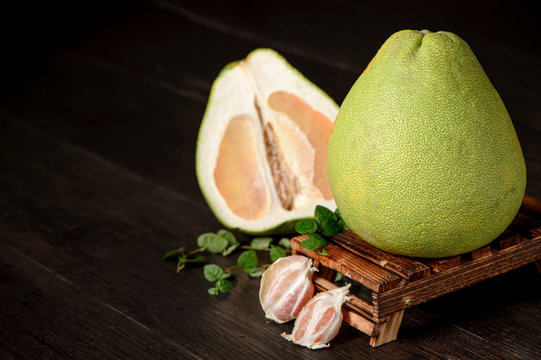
[[262, 145]]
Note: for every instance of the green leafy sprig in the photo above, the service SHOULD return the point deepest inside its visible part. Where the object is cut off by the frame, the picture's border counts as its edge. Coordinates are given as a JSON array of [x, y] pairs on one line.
[[264, 243], [324, 224], [184, 258], [214, 273], [225, 242]]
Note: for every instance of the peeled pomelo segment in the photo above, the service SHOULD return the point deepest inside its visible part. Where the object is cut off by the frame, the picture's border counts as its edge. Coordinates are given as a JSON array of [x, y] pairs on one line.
[[238, 173], [262, 144], [316, 320], [286, 286], [320, 319]]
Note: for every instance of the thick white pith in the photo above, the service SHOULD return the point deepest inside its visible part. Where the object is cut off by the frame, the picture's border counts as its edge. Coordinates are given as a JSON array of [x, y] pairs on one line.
[[254, 79]]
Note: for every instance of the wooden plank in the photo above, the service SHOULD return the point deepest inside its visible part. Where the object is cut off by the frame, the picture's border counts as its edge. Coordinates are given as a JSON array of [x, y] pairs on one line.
[[326, 273], [507, 301], [113, 254], [45, 316], [457, 277], [109, 115], [438, 265], [509, 241], [531, 206], [527, 216], [388, 330], [364, 272], [407, 268], [104, 229], [481, 252], [526, 224], [359, 322], [354, 302]]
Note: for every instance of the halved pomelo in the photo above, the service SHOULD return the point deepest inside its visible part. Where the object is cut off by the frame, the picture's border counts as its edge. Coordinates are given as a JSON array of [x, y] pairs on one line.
[[262, 146]]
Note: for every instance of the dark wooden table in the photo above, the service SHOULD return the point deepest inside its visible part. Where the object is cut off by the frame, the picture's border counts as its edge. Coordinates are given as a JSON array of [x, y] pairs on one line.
[[100, 104]]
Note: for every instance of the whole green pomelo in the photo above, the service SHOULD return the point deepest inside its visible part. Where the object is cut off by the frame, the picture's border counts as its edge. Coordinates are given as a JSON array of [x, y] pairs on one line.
[[423, 159]]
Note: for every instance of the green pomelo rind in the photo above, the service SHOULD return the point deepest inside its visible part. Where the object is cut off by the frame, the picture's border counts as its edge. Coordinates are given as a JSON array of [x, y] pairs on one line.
[[272, 227], [423, 159]]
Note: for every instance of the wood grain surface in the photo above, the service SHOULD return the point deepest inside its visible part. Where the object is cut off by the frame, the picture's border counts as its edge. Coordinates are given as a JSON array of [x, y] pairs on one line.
[[100, 104]]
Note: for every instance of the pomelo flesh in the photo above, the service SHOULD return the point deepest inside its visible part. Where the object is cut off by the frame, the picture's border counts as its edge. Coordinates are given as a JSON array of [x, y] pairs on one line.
[[320, 319], [262, 145], [423, 159], [238, 173], [286, 286]]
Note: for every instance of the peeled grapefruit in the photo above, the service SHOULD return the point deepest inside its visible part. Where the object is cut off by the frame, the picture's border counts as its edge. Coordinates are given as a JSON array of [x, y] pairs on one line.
[[286, 286], [423, 159], [320, 319], [262, 145]]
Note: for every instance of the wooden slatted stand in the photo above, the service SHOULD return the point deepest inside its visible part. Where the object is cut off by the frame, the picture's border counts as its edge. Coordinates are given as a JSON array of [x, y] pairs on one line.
[[384, 285]]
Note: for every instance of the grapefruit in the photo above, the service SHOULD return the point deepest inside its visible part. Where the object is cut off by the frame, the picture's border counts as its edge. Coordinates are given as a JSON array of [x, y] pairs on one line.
[[423, 159], [262, 145], [286, 286]]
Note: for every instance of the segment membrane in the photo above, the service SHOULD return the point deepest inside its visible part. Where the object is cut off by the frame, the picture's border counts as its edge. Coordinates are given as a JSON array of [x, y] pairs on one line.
[[317, 128], [284, 180]]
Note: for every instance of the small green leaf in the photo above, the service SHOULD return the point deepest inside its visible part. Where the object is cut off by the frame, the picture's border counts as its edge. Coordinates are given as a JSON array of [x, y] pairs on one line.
[[228, 250], [343, 224], [276, 252], [198, 259], [341, 221], [217, 245], [327, 221], [261, 243], [330, 227], [247, 261], [228, 235], [212, 272], [305, 226], [213, 292], [223, 285], [214, 243], [339, 277], [284, 242], [314, 241], [203, 239], [309, 244], [322, 242], [173, 253], [257, 272], [322, 214]]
